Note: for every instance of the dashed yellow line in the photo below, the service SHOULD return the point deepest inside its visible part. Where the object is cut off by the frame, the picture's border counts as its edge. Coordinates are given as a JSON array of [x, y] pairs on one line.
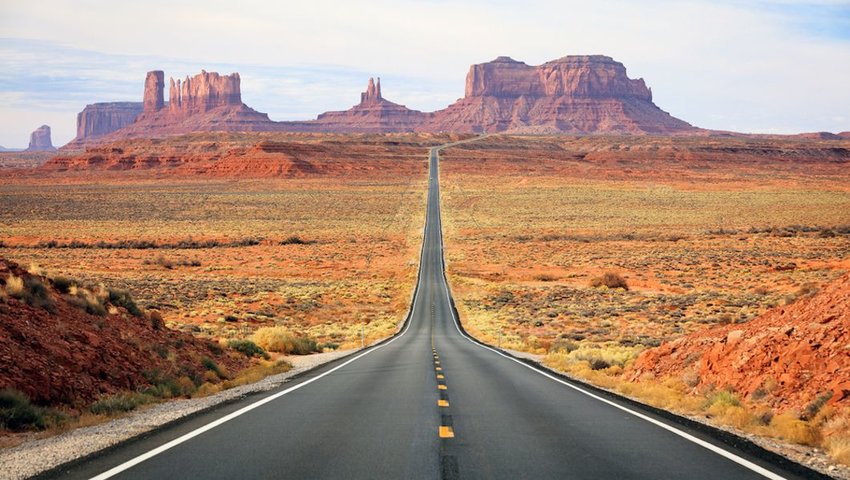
[[442, 387], [440, 376], [439, 369], [442, 403], [446, 432]]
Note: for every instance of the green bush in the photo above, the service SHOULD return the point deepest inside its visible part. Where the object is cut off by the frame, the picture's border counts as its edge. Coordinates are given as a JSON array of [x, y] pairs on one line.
[[119, 403], [63, 284], [122, 298], [210, 365], [17, 413], [248, 348]]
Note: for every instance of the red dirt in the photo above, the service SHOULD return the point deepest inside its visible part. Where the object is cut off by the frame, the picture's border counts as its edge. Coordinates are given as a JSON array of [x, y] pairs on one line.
[[66, 356], [789, 356]]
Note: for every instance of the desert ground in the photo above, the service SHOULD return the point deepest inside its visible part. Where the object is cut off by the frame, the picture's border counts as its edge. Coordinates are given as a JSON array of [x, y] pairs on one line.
[[331, 256], [585, 251]]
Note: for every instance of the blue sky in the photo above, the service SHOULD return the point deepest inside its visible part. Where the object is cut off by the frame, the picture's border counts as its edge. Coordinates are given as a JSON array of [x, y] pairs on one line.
[[757, 66]]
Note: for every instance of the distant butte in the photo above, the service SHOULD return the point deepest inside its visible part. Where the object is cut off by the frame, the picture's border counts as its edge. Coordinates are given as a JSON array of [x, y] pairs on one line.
[[574, 94], [585, 94], [373, 114], [40, 140]]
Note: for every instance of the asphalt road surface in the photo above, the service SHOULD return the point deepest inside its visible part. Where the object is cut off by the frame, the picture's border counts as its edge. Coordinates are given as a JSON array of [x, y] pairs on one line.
[[430, 403]]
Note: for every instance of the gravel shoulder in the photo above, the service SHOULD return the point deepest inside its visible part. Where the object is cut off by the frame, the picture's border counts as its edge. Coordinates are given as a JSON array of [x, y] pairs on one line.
[[36, 456]]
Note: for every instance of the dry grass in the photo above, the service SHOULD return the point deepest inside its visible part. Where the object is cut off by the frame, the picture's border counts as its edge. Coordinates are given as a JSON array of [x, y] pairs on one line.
[[14, 285], [281, 340]]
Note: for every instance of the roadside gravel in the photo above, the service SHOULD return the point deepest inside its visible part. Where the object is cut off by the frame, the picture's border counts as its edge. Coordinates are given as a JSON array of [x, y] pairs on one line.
[[33, 457]]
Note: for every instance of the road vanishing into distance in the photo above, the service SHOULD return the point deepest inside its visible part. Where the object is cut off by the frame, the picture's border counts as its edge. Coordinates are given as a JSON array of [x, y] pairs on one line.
[[429, 403]]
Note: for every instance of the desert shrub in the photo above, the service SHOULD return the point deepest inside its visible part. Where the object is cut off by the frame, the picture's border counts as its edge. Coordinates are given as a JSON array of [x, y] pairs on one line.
[[279, 339], [210, 365], [120, 403], [610, 280], [815, 406], [166, 386], [17, 413], [164, 262], [30, 290], [62, 284], [789, 427], [599, 364], [248, 348], [122, 298], [214, 348], [156, 320], [294, 240], [14, 286], [722, 398], [328, 346], [543, 277], [563, 345]]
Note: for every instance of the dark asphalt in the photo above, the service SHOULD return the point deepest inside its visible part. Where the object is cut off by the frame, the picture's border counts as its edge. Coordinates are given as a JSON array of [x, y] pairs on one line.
[[377, 417]]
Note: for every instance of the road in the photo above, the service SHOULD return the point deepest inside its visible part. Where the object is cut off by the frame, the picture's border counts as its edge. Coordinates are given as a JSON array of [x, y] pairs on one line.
[[430, 403]]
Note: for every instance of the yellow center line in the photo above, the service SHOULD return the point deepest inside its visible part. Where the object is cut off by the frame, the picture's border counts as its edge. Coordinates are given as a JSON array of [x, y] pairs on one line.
[[440, 376], [442, 403], [446, 432], [442, 387], [436, 362], [439, 369]]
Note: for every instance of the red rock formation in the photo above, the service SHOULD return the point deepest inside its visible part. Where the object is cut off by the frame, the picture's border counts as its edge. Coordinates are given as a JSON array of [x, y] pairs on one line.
[[574, 94], [791, 355], [154, 83], [844, 134], [373, 114], [100, 119], [58, 354], [204, 92], [40, 140]]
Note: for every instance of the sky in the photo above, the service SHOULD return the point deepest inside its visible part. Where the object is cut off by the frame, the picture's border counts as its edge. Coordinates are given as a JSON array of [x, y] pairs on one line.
[[771, 66]]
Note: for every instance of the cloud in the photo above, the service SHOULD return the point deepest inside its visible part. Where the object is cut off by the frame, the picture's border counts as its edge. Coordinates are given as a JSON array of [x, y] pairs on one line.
[[769, 65]]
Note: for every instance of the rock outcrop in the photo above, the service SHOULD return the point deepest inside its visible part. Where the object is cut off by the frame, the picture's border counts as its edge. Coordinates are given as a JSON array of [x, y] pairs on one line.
[[40, 140], [57, 353], [206, 102], [153, 100], [101, 119], [574, 94], [203, 92], [790, 356], [373, 114]]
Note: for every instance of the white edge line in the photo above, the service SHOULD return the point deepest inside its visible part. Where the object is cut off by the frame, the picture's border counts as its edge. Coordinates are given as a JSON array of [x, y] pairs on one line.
[[714, 448], [194, 433]]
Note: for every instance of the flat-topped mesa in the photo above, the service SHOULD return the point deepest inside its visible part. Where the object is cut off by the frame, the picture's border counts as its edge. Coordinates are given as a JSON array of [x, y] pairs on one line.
[[578, 76], [153, 100], [373, 92], [577, 94], [204, 92]]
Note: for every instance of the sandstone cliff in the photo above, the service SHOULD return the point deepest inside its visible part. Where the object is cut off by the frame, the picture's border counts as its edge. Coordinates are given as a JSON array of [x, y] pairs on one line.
[[205, 102], [373, 114], [100, 119], [40, 140], [574, 94]]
